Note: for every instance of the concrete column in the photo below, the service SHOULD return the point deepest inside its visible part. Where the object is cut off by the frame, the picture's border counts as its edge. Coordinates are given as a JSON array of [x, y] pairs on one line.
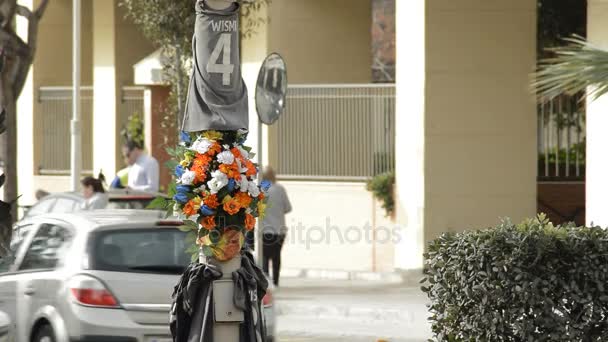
[[597, 121], [466, 122], [25, 124], [156, 139], [104, 88]]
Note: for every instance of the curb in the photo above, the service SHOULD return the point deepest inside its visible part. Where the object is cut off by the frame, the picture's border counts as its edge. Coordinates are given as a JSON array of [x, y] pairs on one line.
[[406, 277]]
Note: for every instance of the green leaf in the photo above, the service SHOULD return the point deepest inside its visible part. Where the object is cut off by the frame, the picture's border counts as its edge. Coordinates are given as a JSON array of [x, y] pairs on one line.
[[172, 190], [194, 257], [158, 203], [207, 251]]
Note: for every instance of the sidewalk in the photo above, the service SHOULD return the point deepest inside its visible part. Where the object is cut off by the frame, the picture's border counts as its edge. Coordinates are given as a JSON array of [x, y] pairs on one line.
[[354, 310]]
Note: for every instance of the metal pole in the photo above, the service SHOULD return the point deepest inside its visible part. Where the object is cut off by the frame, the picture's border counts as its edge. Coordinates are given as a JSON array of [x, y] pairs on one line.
[[76, 154], [259, 234]]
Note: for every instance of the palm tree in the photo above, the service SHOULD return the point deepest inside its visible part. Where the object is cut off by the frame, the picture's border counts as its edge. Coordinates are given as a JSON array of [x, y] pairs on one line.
[[578, 67]]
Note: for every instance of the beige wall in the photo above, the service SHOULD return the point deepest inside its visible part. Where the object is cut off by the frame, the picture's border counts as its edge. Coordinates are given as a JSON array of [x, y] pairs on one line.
[[331, 228], [597, 121], [323, 41], [477, 156]]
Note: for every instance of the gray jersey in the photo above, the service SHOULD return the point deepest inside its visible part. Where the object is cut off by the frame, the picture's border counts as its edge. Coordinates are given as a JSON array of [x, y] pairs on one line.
[[217, 96]]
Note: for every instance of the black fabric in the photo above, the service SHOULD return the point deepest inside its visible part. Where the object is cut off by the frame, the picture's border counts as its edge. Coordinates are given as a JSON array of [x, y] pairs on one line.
[[191, 318], [273, 244]]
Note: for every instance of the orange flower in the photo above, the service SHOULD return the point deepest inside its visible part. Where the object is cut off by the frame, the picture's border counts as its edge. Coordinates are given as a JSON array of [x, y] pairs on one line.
[[251, 170], [231, 170], [214, 149], [236, 152], [261, 196], [202, 160], [232, 206], [200, 173], [249, 222], [211, 201], [192, 207], [244, 199], [208, 222]]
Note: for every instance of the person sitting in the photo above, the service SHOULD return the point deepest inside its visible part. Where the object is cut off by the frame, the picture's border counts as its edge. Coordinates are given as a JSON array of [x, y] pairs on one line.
[[95, 196]]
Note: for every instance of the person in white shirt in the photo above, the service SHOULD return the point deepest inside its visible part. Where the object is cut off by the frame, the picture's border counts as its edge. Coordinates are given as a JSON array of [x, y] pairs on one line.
[[144, 170], [95, 196], [274, 227]]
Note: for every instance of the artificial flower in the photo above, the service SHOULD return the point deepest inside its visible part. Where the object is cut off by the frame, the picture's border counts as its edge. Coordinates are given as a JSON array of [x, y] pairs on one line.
[[218, 181], [201, 145], [186, 161], [249, 222], [244, 183], [192, 207], [206, 211], [211, 201], [214, 149], [236, 152], [181, 195], [231, 184], [202, 160], [208, 222], [185, 137], [231, 206], [243, 198], [200, 173], [225, 157], [231, 170], [253, 189], [261, 196], [243, 152], [261, 209], [251, 170], [199, 189], [188, 177], [179, 171], [242, 169], [213, 135]]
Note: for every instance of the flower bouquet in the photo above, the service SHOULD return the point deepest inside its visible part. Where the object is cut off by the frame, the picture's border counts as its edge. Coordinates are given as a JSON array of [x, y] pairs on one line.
[[215, 191]]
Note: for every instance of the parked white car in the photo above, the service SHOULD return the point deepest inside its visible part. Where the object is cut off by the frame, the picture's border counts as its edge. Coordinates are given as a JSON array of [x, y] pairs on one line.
[[103, 275], [5, 328]]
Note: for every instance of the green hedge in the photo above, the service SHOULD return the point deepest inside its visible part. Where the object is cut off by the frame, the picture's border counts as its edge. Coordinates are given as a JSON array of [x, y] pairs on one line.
[[527, 282]]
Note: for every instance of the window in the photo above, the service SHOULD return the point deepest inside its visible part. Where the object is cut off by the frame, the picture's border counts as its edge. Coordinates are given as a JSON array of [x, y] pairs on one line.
[[156, 250], [41, 207], [19, 235], [64, 205], [47, 247]]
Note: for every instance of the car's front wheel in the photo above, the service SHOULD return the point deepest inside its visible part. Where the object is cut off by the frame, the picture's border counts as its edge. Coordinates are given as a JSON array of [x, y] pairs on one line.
[[44, 334]]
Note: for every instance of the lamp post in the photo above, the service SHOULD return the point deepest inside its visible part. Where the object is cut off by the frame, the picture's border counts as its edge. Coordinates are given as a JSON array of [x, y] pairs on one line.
[[75, 128]]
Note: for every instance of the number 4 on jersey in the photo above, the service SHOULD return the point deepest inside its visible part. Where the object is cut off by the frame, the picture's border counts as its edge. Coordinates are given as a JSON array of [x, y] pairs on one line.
[[223, 47]]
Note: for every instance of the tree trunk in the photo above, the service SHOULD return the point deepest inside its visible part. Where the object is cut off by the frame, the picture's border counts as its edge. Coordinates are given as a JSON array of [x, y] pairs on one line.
[[179, 87], [9, 145]]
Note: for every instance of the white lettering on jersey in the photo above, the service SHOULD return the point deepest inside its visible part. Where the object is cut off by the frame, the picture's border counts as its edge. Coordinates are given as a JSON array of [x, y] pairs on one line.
[[226, 68], [224, 26]]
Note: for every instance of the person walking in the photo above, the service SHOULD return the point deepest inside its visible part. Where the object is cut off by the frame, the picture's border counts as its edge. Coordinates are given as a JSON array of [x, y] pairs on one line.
[[95, 196], [274, 227], [143, 171]]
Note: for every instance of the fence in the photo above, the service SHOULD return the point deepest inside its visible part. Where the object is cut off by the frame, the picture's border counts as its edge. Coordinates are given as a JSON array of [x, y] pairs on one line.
[[344, 132], [561, 139], [55, 113]]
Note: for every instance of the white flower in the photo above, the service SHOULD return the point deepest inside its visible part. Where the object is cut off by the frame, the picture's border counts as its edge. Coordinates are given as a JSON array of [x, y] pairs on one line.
[[248, 210], [199, 189], [244, 152], [218, 181], [226, 146], [242, 169], [244, 183], [188, 177], [225, 157], [254, 191], [201, 145]]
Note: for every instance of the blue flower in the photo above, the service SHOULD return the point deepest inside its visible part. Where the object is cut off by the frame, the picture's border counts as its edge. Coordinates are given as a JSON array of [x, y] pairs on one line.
[[181, 198], [206, 211], [179, 171], [183, 189], [231, 184], [265, 185], [185, 137]]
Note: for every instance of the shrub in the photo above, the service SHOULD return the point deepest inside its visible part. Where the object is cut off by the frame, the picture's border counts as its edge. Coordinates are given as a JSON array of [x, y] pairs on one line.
[[527, 282], [381, 187]]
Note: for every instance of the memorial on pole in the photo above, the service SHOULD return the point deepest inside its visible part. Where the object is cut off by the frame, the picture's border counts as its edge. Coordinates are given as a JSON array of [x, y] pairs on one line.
[[216, 192]]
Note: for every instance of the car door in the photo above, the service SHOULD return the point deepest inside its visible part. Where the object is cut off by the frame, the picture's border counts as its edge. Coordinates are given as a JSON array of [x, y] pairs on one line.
[[39, 282], [8, 275]]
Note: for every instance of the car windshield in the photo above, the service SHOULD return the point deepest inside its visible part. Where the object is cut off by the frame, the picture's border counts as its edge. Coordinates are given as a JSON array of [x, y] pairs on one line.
[[156, 250], [126, 203]]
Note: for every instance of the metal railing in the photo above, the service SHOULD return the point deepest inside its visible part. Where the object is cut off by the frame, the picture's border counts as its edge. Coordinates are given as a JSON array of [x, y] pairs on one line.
[[337, 132], [561, 139], [54, 114]]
